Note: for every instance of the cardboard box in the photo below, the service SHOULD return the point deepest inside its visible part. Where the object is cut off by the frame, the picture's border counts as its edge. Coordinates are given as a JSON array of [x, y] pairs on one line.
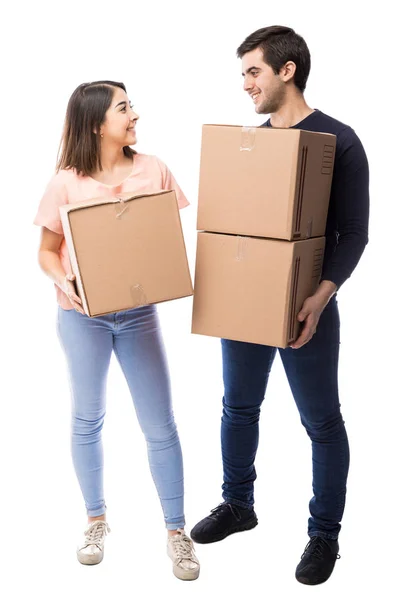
[[127, 251], [265, 182], [252, 289]]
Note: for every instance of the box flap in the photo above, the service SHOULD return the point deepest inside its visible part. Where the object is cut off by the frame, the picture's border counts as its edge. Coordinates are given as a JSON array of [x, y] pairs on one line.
[[125, 197]]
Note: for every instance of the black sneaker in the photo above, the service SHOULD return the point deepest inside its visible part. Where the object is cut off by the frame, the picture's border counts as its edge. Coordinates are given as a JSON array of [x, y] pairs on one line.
[[225, 519], [317, 561]]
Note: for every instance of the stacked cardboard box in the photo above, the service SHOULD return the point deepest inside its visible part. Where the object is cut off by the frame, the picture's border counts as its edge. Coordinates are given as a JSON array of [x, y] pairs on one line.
[[126, 251], [263, 203]]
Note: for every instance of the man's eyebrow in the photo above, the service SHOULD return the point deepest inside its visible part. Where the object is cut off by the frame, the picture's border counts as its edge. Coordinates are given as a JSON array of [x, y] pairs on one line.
[[250, 69]]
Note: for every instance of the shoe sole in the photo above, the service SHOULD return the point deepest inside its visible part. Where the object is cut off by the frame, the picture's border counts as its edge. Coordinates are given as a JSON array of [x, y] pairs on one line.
[[305, 581], [218, 538], [185, 575], [90, 560]]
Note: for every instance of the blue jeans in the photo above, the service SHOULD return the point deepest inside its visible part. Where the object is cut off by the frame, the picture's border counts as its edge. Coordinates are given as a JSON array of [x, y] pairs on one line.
[[312, 375], [135, 337]]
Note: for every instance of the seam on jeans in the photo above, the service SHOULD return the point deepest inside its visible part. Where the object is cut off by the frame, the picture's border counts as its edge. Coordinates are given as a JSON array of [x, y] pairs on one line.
[[102, 508], [238, 503], [178, 525], [177, 520], [322, 534]]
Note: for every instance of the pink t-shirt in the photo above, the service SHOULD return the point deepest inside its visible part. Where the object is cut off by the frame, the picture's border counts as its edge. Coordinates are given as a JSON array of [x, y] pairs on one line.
[[149, 175]]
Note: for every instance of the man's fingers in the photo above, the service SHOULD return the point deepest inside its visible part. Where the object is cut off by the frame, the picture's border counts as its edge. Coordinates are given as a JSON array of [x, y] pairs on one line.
[[300, 341], [305, 336]]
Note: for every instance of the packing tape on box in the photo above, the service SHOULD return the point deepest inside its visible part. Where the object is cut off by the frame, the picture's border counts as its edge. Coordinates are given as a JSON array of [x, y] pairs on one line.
[[241, 248], [138, 296], [309, 228], [120, 206], [248, 138]]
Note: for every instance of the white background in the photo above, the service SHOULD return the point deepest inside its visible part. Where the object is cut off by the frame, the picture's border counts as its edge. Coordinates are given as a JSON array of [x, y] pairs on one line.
[[178, 62]]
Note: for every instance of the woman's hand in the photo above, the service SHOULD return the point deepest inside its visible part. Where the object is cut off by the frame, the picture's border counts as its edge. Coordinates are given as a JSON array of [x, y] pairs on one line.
[[68, 288], [49, 260]]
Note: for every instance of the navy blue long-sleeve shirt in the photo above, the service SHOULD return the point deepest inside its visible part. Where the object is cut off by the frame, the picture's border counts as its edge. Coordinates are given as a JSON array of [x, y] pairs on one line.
[[347, 223]]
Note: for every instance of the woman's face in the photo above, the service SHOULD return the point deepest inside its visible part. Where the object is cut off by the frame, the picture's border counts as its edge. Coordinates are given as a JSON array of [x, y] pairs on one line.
[[120, 121]]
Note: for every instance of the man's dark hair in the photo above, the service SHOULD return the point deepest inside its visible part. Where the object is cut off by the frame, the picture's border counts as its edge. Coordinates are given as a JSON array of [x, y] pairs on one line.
[[279, 45]]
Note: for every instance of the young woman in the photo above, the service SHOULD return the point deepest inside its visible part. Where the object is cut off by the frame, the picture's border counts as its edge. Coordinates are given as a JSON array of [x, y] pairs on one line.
[[96, 160]]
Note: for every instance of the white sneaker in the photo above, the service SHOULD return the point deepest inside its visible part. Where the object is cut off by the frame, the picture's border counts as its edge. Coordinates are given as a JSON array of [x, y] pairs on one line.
[[180, 550], [92, 550]]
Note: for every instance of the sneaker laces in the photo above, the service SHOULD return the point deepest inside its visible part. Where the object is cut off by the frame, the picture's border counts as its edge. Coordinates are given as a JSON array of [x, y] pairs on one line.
[[183, 548], [315, 548], [96, 532], [223, 507]]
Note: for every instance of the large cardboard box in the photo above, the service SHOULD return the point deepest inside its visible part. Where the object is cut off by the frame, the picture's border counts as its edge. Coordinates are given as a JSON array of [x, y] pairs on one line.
[[127, 251], [252, 289], [265, 182]]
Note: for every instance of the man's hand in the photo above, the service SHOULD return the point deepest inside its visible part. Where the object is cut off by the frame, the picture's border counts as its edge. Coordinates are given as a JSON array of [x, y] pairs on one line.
[[311, 311]]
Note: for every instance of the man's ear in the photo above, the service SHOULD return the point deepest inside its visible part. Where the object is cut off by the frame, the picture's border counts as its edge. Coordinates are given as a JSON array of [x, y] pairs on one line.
[[287, 71]]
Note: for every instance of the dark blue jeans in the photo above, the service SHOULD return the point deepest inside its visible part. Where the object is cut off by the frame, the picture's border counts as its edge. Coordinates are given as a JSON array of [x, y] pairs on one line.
[[312, 375]]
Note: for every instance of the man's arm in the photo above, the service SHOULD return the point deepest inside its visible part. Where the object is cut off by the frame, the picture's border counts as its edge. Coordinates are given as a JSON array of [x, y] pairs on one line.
[[350, 198]]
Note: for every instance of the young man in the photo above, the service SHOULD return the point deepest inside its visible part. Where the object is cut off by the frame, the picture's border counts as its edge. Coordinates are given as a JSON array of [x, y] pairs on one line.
[[276, 65]]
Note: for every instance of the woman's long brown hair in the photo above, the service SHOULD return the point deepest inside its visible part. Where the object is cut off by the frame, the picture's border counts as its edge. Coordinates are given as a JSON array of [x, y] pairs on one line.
[[80, 142]]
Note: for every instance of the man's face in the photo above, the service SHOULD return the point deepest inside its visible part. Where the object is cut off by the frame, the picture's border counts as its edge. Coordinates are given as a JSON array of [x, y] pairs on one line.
[[266, 89]]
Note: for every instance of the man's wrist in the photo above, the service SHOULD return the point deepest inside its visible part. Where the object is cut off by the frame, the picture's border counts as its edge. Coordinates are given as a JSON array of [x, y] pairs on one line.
[[325, 291]]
